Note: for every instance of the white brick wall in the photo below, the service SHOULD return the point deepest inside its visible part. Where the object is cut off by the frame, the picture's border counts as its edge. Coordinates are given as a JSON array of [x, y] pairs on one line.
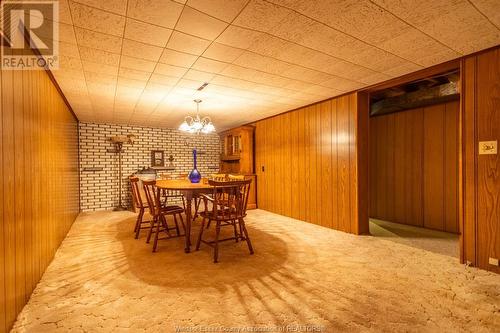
[[99, 189]]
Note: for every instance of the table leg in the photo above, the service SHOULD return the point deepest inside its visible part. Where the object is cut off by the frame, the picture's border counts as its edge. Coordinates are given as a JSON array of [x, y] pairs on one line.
[[189, 199]]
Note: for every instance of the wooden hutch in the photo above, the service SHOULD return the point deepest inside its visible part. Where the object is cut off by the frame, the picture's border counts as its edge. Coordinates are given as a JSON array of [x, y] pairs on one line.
[[237, 156]]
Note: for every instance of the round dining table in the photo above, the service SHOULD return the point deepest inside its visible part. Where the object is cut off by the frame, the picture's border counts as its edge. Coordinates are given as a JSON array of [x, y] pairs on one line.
[[189, 191]]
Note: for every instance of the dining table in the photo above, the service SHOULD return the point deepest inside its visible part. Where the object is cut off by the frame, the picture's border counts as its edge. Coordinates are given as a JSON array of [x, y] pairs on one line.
[[189, 191]]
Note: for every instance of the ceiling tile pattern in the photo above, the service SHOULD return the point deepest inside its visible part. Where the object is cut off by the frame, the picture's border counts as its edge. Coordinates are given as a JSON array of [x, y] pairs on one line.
[[140, 62]]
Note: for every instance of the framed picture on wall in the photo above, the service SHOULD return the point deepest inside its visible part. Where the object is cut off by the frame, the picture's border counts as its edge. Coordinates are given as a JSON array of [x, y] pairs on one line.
[[157, 158]]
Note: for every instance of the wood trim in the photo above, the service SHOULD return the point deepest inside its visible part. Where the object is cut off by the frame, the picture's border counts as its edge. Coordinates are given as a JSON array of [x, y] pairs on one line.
[[414, 76], [362, 151]]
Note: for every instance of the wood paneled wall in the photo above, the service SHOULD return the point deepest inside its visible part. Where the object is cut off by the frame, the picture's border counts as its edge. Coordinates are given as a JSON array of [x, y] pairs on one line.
[[414, 167], [481, 185], [308, 167], [38, 183]]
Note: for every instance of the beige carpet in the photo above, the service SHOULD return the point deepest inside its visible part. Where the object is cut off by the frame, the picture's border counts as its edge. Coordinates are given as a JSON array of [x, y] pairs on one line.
[[420, 238], [102, 280]]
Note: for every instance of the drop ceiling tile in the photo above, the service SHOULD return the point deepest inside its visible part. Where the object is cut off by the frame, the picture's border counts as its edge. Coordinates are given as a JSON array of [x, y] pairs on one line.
[[131, 83], [489, 8], [379, 60], [186, 43], [402, 69], [163, 13], [100, 90], [222, 52], [270, 46], [147, 33], [306, 75], [157, 88], [174, 71], [225, 10], [67, 33], [64, 12], [375, 78], [239, 37], [190, 85], [99, 56], [456, 24], [261, 15], [200, 77], [294, 27], [75, 74], [69, 63], [347, 70], [164, 79], [137, 64], [261, 63], [97, 20], [72, 85], [133, 74], [209, 65], [227, 81], [96, 40], [341, 84], [101, 78], [194, 22], [176, 58], [125, 92], [425, 51], [99, 68], [293, 58], [140, 50], [428, 60], [69, 49], [114, 6]]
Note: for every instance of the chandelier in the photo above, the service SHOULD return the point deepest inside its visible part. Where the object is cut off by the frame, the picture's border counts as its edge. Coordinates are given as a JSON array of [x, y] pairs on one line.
[[196, 124]]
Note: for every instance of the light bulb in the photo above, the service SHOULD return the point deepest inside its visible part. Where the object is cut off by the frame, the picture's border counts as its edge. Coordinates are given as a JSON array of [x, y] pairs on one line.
[[184, 127], [209, 127], [197, 125]]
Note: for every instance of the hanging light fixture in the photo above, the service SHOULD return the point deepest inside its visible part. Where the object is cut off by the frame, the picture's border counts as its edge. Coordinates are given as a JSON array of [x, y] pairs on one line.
[[196, 124]]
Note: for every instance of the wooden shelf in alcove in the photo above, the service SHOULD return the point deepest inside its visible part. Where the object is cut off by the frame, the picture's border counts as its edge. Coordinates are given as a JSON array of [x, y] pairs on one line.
[[230, 158]]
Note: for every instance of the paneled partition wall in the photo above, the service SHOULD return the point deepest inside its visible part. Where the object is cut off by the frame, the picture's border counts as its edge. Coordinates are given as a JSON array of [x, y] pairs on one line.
[[308, 167], [414, 167], [38, 183]]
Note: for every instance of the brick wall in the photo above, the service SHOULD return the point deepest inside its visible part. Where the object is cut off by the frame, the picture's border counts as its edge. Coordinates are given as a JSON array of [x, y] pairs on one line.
[[99, 189]]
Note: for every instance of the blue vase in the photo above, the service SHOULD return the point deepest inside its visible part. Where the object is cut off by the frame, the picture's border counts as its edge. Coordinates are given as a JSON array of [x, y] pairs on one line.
[[194, 175]]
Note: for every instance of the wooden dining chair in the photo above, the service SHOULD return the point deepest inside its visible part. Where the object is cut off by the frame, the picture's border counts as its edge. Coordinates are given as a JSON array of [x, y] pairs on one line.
[[173, 195], [160, 211], [235, 177], [229, 203], [139, 204], [218, 177]]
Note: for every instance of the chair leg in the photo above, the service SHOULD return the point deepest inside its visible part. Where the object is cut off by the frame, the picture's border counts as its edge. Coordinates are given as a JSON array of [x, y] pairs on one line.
[[216, 247], [156, 235], [150, 231], [163, 220], [200, 233], [233, 222], [208, 224], [139, 223], [176, 225], [249, 243]]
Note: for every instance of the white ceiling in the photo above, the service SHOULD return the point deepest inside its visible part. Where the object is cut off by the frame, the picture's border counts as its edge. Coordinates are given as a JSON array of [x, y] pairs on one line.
[[140, 62]]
